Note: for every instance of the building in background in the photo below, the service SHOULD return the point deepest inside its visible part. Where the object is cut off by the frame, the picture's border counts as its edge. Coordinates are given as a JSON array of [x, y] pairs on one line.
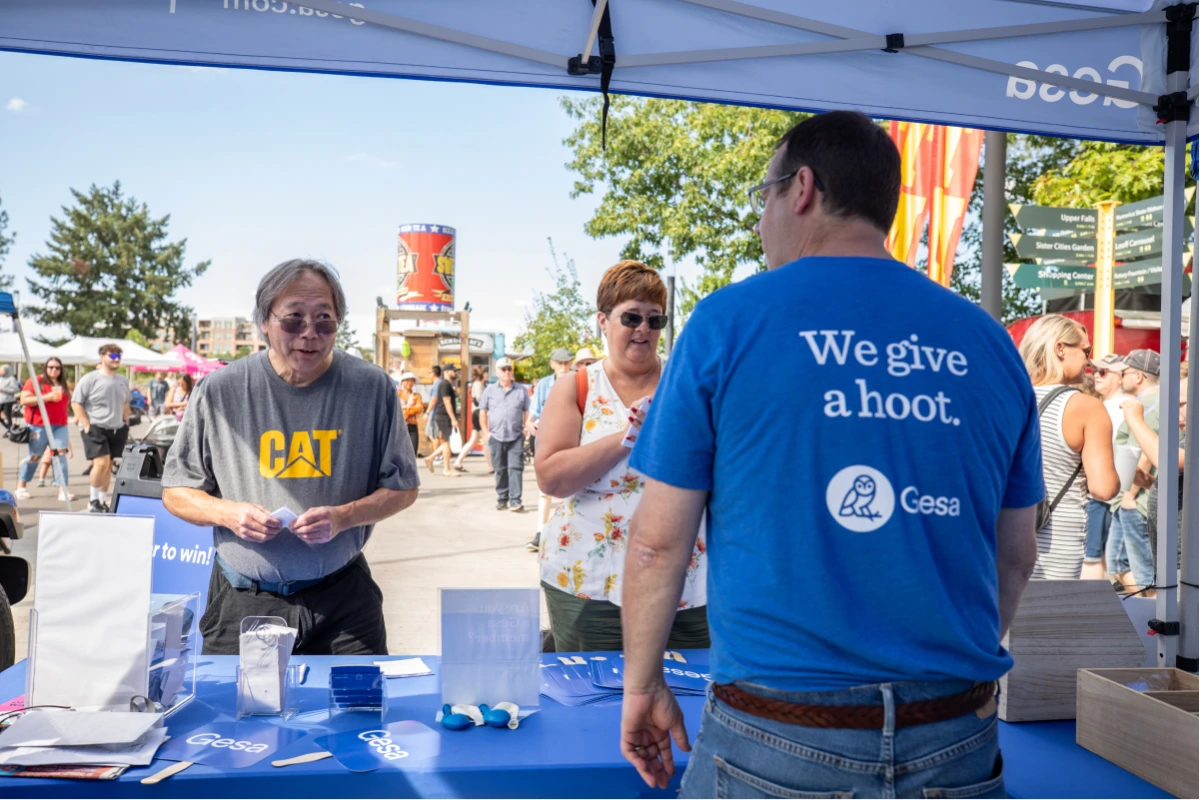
[[217, 337]]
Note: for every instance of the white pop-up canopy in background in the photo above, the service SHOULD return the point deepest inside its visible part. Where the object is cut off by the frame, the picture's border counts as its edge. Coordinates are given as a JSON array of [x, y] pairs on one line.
[[1108, 69]]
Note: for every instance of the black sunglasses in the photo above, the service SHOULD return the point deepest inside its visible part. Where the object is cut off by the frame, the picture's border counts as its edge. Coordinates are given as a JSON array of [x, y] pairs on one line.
[[657, 321], [296, 324]]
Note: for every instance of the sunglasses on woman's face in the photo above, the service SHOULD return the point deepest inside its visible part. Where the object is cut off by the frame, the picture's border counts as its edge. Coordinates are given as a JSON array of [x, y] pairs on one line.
[[657, 321], [54, 368]]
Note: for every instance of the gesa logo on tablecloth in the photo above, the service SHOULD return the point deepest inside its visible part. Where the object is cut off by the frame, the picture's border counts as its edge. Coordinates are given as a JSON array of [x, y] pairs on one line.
[[384, 746], [216, 740], [309, 454]]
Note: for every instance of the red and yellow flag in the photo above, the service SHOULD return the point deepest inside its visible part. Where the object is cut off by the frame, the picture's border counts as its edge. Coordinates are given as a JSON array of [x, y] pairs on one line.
[[938, 165]]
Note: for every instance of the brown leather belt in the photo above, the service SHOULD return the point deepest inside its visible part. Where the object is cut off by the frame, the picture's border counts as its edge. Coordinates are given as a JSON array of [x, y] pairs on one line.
[[919, 712]]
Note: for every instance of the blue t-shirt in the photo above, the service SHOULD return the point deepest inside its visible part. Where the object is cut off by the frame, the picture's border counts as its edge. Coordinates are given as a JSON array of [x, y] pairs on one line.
[[859, 429]]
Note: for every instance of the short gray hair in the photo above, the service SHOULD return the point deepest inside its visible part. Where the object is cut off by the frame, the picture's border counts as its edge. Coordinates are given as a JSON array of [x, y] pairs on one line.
[[282, 275]]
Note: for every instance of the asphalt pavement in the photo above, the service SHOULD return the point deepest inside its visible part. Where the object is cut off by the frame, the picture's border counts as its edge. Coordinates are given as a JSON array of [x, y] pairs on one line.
[[452, 537]]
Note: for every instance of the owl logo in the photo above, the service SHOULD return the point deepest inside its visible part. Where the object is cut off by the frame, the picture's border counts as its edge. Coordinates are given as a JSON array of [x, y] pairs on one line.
[[860, 498], [857, 502]]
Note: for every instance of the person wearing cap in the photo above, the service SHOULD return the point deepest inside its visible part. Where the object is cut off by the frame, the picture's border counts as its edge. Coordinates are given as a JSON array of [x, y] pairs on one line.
[[584, 358], [412, 405], [1128, 553], [504, 414], [1106, 378], [560, 364]]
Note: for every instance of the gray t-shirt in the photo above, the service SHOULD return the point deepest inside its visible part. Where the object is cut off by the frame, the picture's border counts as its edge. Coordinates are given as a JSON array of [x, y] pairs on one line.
[[103, 398], [249, 436]]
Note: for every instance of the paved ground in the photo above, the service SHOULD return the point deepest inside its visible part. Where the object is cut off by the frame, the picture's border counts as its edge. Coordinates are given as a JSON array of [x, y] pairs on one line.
[[452, 537]]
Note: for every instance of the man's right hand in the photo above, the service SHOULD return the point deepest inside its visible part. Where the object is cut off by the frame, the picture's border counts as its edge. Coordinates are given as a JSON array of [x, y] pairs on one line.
[[251, 522]]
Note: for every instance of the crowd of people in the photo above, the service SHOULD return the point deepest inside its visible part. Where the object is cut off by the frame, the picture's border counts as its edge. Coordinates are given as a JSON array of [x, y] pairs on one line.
[[100, 405], [1096, 415]]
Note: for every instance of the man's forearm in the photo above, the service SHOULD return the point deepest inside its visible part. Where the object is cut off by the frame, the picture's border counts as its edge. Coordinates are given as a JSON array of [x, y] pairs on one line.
[[661, 537], [1013, 579], [195, 506], [80, 415], [378, 506]]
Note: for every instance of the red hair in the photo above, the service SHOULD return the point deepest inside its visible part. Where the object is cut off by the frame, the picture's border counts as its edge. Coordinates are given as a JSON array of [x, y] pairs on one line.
[[630, 280]]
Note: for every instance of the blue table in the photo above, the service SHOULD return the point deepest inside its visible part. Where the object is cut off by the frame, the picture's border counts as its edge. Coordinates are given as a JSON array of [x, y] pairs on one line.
[[558, 752]]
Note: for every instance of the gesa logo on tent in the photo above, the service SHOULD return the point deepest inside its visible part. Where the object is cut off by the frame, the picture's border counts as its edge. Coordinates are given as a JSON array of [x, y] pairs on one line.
[[1023, 89], [307, 455]]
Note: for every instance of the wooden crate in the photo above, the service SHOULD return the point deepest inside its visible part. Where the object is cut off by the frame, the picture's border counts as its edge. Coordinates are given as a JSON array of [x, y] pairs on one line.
[[1152, 733], [1061, 627]]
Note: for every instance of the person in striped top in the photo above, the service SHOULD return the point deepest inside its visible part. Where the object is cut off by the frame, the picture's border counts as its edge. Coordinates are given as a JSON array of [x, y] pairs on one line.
[[1077, 454]]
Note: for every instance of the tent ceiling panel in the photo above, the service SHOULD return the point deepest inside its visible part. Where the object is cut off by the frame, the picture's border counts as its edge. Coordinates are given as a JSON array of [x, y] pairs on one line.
[[528, 42]]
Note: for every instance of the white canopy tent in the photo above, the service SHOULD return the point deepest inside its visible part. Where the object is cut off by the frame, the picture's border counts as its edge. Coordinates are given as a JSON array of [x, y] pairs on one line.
[[1120, 70], [84, 350], [10, 349]]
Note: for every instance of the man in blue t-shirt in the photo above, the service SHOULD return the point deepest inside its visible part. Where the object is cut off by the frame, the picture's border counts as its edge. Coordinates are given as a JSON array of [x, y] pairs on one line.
[[862, 571]]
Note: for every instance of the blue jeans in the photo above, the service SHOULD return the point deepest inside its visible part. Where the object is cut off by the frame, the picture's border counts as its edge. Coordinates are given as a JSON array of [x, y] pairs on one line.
[[741, 755], [1099, 516], [37, 448], [508, 459], [1128, 548]]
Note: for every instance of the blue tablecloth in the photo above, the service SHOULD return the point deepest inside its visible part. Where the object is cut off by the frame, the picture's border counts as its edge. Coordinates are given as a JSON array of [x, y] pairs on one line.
[[558, 752]]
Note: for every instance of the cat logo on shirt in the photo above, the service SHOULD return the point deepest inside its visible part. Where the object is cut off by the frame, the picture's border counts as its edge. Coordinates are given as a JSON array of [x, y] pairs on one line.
[[308, 454]]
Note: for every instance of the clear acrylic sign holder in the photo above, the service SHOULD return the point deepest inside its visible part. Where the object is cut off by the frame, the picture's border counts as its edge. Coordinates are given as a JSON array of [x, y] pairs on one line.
[[170, 665], [491, 646], [271, 689]]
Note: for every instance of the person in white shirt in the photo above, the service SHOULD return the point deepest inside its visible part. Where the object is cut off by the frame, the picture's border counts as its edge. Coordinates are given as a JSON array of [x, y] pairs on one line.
[[1106, 374]]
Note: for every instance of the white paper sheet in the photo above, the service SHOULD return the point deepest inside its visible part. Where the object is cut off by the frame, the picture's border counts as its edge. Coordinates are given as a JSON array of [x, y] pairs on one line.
[[263, 656], [285, 515], [51, 727], [404, 668], [138, 755], [92, 598]]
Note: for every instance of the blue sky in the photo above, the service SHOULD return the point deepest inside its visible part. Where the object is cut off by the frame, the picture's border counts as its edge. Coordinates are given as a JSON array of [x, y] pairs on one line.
[[257, 167]]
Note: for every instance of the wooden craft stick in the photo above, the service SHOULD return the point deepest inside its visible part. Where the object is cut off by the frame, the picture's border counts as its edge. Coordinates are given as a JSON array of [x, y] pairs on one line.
[[678, 656], [577, 660], [163, 774], [304, 759]]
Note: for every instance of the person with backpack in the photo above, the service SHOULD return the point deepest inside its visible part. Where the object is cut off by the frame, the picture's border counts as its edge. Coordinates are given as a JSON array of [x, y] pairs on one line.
[[585, 438], [1077, 443]]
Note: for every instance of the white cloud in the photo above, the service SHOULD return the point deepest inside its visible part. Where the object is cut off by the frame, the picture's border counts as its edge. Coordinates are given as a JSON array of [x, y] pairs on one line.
[[372, 160], [17, 105]]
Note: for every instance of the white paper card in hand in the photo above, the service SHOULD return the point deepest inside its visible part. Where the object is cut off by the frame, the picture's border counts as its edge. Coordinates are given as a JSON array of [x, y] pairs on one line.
[[403, 668], [92, 598], [285, 516]]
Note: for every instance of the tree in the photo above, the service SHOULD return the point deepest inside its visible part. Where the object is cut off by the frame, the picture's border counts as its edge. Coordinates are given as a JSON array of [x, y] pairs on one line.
[[110, 269], [562, 318], [6, 241], [346, 337], [675, 176]]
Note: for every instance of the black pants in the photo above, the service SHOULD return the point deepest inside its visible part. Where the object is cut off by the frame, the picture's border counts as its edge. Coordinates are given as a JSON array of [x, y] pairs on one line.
[[414, 433], [586, 626], [6, 414], [340, 616]]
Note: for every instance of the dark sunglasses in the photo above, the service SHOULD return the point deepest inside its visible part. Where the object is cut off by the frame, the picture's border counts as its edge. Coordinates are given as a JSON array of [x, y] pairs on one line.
[[1102, 373], [657, 321], [297, 324], [50, 367], [505, 369]]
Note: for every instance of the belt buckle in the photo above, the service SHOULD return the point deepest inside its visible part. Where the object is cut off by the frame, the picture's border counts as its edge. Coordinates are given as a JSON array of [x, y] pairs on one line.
[[285, 588]]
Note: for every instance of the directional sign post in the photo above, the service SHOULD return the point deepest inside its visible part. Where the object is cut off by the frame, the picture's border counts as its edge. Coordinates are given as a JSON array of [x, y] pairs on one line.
[[1139, 244], [1103, 334], [1147, 213], [1052, 276], [1053, 247], [1077, 220]]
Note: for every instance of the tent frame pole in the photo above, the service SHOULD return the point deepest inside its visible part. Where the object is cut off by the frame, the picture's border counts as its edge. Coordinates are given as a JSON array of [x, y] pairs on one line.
[[991, 285], [1166, 606]]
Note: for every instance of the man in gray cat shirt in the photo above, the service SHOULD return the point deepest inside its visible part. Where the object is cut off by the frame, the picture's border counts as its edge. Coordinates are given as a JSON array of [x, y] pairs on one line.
[[308, 427]]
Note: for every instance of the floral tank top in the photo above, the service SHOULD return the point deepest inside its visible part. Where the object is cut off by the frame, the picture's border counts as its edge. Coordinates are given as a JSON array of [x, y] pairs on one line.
[[584, 543]]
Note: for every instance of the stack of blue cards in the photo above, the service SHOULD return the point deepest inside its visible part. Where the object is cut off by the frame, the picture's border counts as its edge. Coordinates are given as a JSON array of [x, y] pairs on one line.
[[601, 681], [357, 687]]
